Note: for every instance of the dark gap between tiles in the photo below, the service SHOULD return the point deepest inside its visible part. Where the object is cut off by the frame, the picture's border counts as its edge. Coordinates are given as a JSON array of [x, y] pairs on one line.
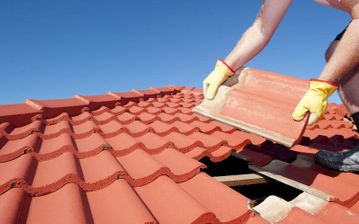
[[256, 192]]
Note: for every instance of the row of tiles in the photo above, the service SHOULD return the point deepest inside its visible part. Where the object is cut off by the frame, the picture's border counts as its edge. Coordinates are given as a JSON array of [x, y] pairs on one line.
[[161, 201], [131, 112], [146, 111]]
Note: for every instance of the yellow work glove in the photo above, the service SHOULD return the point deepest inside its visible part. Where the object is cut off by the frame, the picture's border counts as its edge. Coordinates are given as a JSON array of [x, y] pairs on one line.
[[315, 101], [220, 74]]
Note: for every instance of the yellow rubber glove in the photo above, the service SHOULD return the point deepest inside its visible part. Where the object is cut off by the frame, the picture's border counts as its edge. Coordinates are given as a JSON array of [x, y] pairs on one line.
[[314, 101], [220, 74]]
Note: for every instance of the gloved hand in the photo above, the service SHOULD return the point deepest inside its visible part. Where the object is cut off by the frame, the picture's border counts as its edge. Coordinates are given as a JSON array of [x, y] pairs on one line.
[[314, 101], [220, 74]]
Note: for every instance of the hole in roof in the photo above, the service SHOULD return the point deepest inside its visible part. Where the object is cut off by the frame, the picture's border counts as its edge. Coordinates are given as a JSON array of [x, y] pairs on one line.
[[256, 192]]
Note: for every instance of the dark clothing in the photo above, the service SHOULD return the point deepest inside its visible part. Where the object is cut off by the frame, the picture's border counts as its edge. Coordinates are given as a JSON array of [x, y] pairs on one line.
[[355, 117], [340, 35]]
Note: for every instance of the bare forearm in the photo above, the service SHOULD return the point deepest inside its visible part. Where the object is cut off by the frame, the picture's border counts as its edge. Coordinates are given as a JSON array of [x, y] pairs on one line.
[[345, 56], [259, 34], [251, 43]]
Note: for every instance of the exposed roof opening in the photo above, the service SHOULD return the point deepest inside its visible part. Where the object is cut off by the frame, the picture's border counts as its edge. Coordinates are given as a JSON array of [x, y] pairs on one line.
[[235, 172]]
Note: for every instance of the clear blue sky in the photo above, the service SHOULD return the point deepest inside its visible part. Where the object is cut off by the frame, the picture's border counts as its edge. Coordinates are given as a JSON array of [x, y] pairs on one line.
[[55, 49]]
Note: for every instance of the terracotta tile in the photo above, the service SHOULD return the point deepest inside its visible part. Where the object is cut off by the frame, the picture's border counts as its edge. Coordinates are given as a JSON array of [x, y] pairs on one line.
[[126, 118], [15, 148], [111, 128], [130, 104], [99, 100], [81, 117], [144, 104], [54, 107], [355, 207], [182, 142], [170, 110], [149, 170], [54, 130], [21, 132], [61, 117], [96, 178], [16, 173], [85, 127], [184, 110], [136, 110], [256, 219], [17, 114], [324, 183], [123, 143], [127, 95], [332, 117], [173, 105], [149, 92], [351, 179], [118, 203], [234, 139], [184, 127], [6, 127], [205, 127], [240, 106], [117, 110], [206, 140], [175, 100], [335, 213], [246, 102], [164, 198], [91, 145], [50, 208], [161, 128], [167, 117], [179, 164], [231, 206], [186, 118], [153, 142], [100, 110], [58, 145], [104, 117], [14, 202], [53, 174], [137, 128], [309, 151], [134, 159], [298, 214], [221, 153], [197, 153], [147, 118], [153, 110]]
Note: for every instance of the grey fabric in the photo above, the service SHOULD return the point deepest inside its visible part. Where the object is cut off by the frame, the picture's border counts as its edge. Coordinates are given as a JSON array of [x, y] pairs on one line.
[[343, 161]]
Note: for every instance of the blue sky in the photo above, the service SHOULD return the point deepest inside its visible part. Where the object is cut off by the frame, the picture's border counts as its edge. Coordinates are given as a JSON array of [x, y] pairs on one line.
[[56, 49]]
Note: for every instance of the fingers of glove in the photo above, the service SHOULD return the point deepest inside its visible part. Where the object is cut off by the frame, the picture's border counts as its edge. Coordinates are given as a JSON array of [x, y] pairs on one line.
[[313, 118], [211, 91], [205, 88], [300, 111]]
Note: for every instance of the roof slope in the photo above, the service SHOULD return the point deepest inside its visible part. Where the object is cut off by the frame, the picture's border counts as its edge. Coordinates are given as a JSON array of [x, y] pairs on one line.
[[132, 157]]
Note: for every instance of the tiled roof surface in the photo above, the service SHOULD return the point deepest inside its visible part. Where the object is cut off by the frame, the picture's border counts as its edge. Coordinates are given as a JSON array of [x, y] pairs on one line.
[[132, 157]]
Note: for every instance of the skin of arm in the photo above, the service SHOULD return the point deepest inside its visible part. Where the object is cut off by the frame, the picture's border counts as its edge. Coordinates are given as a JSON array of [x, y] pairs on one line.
[[346, 55], [259, 34]]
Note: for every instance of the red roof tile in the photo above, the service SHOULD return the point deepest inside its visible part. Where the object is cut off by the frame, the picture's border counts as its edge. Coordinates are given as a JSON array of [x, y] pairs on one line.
[[132, 157], [246, 102]]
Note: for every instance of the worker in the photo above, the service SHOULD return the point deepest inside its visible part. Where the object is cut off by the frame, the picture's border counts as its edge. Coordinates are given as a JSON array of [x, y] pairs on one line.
[[341, 71]]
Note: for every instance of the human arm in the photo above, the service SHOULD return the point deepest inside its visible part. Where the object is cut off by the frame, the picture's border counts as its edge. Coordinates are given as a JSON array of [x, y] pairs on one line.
[[343, 60], [256, 38], [251, 43]]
